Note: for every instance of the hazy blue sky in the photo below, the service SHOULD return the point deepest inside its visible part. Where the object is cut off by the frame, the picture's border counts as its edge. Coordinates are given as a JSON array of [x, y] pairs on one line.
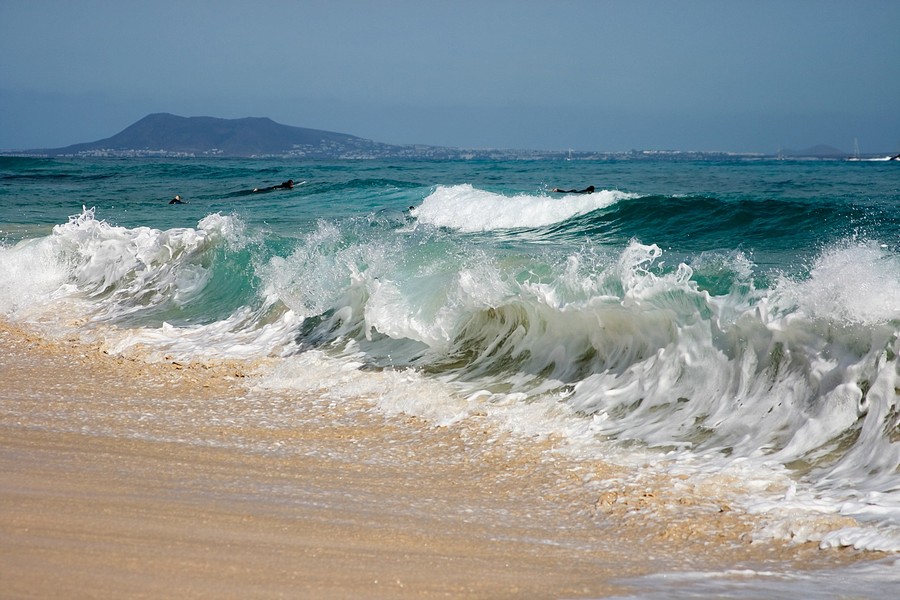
[[554, 74]]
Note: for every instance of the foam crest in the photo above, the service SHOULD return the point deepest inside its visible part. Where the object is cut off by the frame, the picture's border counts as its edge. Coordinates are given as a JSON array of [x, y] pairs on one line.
[[115, 271], [849, 284], [247, 334], [431, 310], [312, 277], [30, 273], [468, 209]]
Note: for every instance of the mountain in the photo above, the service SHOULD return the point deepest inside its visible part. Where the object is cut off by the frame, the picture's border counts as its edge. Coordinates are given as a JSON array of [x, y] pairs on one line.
[[167, 135], [163, 134]]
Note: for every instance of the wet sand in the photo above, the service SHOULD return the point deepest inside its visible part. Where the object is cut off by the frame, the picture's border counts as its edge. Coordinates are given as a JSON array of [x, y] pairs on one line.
[[124, 479]]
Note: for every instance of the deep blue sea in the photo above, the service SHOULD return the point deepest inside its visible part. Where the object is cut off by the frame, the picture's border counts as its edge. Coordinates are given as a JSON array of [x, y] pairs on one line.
[[739, 318]]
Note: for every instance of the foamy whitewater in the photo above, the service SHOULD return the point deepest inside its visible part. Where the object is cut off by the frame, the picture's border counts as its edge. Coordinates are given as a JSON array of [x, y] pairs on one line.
[[726, 323]]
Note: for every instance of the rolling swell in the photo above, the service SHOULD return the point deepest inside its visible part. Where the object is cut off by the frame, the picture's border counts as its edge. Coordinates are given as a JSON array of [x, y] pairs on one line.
[[702, 223]]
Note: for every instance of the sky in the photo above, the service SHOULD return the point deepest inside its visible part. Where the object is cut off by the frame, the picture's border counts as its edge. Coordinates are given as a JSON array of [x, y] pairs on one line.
[[605, 75]]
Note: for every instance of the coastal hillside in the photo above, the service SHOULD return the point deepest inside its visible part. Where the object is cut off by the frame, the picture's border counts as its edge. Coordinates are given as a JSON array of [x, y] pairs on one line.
[[165, 134]]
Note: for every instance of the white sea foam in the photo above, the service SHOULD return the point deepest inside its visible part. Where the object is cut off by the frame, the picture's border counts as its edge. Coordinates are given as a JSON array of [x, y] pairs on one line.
[[244, 335], [89, 270], [856, 284], [875, 580], [30, 273], [147, 263], [468, 209], [394, 391]]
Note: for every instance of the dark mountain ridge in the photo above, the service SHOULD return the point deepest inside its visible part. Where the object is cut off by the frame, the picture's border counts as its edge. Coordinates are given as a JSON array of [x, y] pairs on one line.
[[167, 134]]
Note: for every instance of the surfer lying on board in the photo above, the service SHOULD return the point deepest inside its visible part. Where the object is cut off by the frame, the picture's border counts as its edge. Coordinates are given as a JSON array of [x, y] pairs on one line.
[[284, 185], [588, 190], [177, 200]]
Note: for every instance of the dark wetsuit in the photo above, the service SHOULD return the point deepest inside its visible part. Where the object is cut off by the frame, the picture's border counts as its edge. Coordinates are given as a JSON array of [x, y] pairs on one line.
[[588, 190], [284, 185]]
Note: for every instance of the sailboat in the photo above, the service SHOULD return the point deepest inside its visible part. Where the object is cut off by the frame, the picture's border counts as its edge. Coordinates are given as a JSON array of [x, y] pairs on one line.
[[855, 156]]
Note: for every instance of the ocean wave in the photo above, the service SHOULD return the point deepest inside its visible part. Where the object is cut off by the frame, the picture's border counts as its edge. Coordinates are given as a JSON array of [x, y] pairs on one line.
[[615, 344], [468, 209], [125, 271], [804, 374], [642, 346], [799, 375]]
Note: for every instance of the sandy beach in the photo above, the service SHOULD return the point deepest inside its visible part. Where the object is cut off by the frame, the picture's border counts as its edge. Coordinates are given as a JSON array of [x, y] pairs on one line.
[[123, 479]]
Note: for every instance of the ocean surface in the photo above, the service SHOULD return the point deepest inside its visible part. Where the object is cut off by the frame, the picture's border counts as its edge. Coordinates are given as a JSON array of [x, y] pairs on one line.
[[713, 320]]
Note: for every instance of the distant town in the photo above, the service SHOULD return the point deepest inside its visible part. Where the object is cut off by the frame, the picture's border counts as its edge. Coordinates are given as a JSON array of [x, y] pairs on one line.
[[411, 152]]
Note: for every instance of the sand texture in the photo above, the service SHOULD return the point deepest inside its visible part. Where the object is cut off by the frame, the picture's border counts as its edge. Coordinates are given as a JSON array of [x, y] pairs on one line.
[[123, 479]]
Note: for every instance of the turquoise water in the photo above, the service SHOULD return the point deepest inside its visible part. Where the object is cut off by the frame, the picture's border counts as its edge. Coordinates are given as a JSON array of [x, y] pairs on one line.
[[736, 316]]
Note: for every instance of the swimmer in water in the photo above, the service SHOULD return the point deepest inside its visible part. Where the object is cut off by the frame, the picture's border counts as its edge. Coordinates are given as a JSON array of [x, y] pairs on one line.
[[588, 190], [284, 185], [177, 200]]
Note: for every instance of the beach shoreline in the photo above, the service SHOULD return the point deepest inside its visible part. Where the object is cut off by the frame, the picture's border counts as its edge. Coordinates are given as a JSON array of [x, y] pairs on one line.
[[122, 478]]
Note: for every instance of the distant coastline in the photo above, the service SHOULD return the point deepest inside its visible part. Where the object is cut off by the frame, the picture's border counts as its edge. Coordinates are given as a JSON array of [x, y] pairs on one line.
[[163, 135]]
